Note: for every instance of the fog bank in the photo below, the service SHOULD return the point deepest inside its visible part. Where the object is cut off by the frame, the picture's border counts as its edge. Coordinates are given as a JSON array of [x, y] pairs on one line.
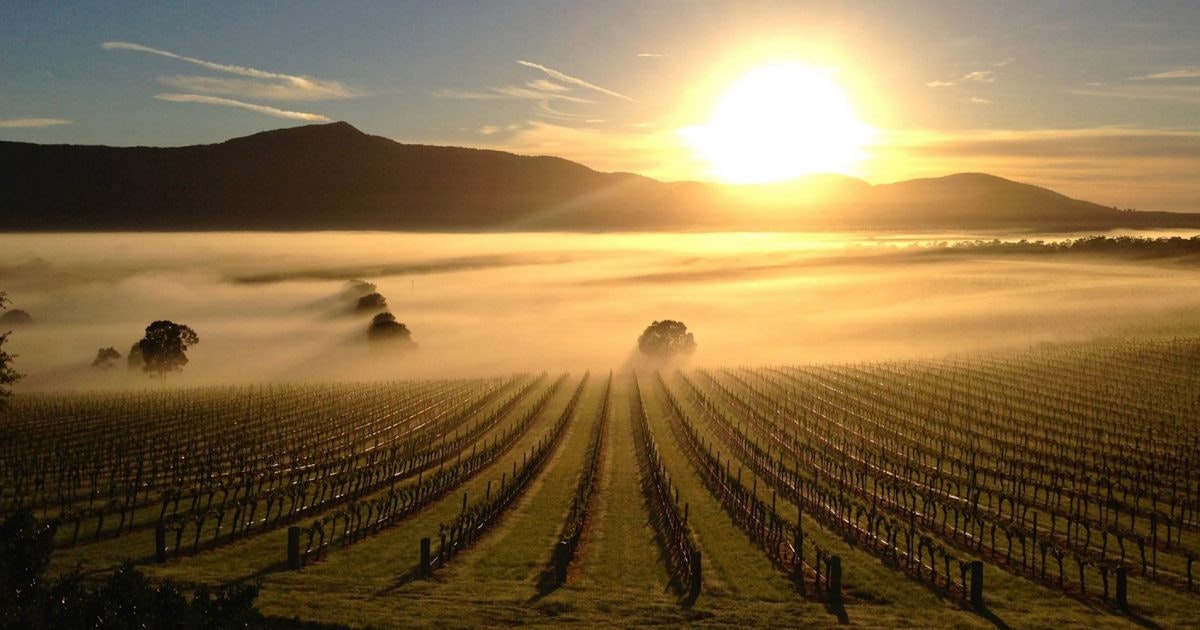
[[269, 307]]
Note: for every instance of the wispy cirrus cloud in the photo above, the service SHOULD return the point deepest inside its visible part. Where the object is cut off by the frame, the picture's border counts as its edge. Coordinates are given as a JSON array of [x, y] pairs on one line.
[[566, 78], [939, 84], [254, 107], [547, 86], [32, 123], [1181, 73], [546, 110], [246, 88], [246, 83], [652, 152], [979, 76], [1142, 91], [265, 84], [544, 93], [550, 97], [515, 92]]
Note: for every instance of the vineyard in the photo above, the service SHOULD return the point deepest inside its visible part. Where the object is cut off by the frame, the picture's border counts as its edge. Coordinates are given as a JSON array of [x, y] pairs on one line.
[[1054, 486]]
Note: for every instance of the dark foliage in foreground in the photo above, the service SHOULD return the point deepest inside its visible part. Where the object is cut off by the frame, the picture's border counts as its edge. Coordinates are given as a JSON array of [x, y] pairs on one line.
[[127, 599], [8, 375]]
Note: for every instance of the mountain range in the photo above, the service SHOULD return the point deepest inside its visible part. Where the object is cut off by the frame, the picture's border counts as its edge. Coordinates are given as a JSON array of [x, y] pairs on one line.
[[333, 176]]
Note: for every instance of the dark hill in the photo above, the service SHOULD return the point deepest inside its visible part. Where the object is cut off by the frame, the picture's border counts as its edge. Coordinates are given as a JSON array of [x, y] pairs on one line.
[[335, 177]]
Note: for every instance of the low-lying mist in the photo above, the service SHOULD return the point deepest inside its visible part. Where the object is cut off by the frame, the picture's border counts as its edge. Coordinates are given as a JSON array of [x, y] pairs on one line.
[[271, 307]]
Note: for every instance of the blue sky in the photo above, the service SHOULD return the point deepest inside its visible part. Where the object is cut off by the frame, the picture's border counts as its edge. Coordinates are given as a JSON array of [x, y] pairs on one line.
[[1098, 99]]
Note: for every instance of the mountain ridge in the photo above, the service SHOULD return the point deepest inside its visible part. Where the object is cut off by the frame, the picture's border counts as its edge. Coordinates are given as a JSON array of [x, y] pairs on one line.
[[334, 176]]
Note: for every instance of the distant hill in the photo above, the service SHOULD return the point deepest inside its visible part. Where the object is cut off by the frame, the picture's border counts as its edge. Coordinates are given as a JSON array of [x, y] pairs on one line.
[[333, 176]]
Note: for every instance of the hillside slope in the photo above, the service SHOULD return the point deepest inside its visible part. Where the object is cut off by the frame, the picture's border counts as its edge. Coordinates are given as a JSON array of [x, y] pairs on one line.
[[333, 176]]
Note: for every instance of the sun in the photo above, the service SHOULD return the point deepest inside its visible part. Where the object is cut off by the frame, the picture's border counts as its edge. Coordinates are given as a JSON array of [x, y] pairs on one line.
[[778, 122]]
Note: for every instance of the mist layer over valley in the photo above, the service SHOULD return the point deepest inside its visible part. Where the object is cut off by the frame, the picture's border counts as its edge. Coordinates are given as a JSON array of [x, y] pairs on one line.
[[272, 307]]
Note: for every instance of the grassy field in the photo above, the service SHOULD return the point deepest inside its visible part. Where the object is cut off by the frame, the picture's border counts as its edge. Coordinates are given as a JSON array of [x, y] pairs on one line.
[[1072, 446]]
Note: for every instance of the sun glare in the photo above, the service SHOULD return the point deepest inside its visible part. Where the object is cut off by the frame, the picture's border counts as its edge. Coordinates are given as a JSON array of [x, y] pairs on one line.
[[777, 122]]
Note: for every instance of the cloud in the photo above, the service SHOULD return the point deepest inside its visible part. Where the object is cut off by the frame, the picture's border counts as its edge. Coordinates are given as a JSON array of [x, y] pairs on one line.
[[1004, 62], [507, 92], [32, 123], [228, 102], [488, 130], [980, 101], [979, 76], [653, 55], [547, 86], [277, 85], [1182, 73], [566, 78], [468, 95], [1104, 142], [245, 87], [1188, 94], [513, 91], [652, 152], [546, 110], [938, 84]]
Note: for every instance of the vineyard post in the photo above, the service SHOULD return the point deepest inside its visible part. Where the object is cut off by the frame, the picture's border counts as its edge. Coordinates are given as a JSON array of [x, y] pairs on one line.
[[694, 587], [293, 548], [798, 574], [977, 584], [160, 542], [835, 580], [562, 554], [1123, 588], [423, 569]]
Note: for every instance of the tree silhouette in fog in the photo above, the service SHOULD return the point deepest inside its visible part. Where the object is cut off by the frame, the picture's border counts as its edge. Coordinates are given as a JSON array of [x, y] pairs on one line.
[[385, 330], [16, 317], [666, 338], [8, 375], [135, 360], [370, 302], [164, 347], [357, 288], [106, 358]]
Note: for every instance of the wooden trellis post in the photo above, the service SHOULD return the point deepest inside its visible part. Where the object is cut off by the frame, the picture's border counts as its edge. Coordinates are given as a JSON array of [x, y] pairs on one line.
[[977, 584], [160, 542], [562, 555], [293, 548], [834, 575], [1123, 588], [424, 569], [694, 587]]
